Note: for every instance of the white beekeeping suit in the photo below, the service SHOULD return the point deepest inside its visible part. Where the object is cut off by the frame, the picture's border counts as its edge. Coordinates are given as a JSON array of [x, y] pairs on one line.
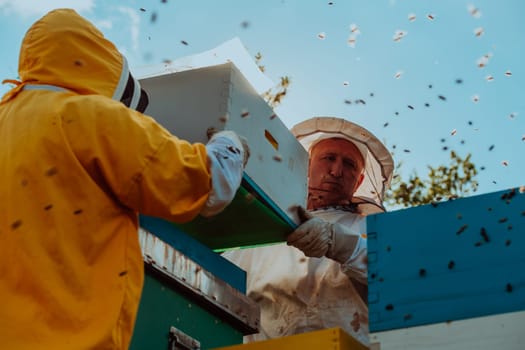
[[299, 294]]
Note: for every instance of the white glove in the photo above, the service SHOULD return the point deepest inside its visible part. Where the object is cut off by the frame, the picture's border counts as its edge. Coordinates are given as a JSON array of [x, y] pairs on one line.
[[240, 142], [317, 237], [313, 236], [227, 156]]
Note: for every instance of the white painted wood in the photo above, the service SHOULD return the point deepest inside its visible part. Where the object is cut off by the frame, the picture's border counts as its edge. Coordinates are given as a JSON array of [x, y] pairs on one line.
[[189, 103], [496, 332]]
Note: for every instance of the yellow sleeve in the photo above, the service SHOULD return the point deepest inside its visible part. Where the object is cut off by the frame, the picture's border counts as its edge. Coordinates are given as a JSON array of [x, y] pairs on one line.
[[136, 160]]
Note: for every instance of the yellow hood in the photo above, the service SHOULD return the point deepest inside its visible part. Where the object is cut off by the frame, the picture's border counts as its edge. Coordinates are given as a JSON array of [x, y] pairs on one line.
[[93, 65]]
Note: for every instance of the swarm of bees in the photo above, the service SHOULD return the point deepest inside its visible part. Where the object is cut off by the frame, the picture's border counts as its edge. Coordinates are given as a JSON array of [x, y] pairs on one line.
[[399, 35]]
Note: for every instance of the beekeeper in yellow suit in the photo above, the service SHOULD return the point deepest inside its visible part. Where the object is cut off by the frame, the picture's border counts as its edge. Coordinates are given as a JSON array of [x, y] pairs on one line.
[[78, 163], [318, 279]]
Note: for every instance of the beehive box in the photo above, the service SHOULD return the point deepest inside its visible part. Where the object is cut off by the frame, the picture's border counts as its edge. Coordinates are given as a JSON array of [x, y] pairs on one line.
[[499, 331], [187, 304], [189, 103], [326, 339], [438, 268]]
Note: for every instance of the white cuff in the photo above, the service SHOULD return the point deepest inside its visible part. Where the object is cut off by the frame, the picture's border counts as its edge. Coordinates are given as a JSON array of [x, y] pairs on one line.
[[225, 155], [357, 264]]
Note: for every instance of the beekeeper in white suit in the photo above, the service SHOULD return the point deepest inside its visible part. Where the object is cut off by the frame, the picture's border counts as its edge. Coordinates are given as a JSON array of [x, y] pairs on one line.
[[318, 279]]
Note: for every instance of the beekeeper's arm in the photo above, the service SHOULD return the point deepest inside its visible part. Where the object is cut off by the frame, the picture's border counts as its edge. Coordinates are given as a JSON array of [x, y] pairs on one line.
[[149, 170], [317, 237]]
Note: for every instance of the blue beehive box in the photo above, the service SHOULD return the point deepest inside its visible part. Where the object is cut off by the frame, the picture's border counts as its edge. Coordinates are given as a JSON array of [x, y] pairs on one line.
[[448, 261]]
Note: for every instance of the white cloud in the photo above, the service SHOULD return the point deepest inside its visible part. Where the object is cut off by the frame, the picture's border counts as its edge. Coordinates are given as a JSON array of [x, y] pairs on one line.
[[31, 8], [134, 25]]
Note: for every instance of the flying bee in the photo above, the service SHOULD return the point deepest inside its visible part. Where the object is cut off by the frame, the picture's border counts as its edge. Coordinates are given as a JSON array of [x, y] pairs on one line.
[[399, 34], [474, 11], [461, 229], [351, 41], [479, 31], [483, 61], [354, 28], [224, 118]]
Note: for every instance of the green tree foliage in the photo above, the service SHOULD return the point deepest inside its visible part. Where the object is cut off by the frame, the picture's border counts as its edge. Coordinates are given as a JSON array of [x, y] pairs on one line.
[[443, 182]]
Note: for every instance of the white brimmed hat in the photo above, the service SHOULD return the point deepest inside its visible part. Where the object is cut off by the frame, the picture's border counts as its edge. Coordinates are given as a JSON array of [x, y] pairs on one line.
[[379, 164]]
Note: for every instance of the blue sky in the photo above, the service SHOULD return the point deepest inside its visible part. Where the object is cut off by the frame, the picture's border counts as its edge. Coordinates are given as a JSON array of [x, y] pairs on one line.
[[439, 48]]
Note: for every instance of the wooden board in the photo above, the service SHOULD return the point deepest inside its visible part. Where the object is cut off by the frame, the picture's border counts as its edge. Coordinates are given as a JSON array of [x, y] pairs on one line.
[[497, 332], [196, 251], [326, 339]]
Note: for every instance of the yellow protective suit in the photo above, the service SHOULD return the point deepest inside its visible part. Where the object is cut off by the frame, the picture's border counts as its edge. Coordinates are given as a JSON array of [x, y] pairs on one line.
[[76, 167]]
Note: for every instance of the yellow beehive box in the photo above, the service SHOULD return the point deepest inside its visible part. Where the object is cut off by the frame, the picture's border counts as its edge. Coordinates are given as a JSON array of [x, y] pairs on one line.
[[326, 339]]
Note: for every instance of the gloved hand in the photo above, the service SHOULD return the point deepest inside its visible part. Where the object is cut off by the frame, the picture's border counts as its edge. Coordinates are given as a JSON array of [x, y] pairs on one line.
[[239, 141], [317, 237], [313, 236]]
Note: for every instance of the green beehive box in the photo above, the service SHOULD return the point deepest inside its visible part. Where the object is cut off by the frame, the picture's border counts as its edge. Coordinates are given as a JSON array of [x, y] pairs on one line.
[[250, 220], [183, 304]]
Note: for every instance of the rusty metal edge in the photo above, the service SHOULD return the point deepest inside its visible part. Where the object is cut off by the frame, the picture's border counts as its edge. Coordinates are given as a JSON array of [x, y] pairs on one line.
[[189, 277]]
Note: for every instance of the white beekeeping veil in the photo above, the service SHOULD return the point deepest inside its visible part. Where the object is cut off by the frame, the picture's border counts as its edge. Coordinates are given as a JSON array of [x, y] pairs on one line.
[[379, 164]]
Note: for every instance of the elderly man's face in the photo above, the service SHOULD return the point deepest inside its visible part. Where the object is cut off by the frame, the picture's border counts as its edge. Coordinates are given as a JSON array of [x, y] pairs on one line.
[[335, 172]]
